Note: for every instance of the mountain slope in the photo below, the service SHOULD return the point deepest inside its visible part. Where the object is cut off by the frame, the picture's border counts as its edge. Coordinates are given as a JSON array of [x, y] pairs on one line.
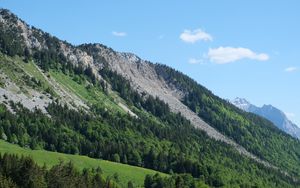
[[144, 77], [165, 83], [276, 116], [125, 172], [246, 129], [115, 106]]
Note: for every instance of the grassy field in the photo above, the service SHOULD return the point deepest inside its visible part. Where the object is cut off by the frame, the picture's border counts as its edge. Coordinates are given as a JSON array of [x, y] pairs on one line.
[[125, 172]]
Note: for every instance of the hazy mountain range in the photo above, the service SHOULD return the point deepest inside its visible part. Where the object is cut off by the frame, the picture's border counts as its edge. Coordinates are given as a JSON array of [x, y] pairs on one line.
[[276, 116]]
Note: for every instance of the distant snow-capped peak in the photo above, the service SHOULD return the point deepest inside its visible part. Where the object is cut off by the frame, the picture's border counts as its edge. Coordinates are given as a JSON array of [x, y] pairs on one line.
[[241, 103], [276, 116]]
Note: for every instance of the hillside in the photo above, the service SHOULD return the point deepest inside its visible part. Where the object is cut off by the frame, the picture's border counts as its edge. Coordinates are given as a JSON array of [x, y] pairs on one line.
[[125, 172], [94, 101]]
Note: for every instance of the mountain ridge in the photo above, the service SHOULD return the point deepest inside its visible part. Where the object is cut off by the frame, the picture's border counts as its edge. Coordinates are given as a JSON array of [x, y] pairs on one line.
[[276, 116]]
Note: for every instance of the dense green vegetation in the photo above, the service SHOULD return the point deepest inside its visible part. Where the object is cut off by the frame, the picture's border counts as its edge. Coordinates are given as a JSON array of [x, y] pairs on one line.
[[178, 181], [24, 172], [256, 134], [16, 171], [168, 147], [125, 173]]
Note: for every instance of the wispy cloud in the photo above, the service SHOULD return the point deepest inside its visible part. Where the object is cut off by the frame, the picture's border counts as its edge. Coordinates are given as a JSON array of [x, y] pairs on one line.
[[290, 69], [119, 34], [223, 55], [195, 61], [192, 36]]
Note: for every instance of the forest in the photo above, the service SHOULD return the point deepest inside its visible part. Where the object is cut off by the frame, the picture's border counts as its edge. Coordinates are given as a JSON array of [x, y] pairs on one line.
[[22, 171], [159, 144], [256, 134]]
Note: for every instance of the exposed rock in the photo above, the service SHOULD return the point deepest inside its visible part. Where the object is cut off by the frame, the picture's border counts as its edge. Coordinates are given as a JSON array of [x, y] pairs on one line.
[[34, 99], [66, 96], [126, 109]]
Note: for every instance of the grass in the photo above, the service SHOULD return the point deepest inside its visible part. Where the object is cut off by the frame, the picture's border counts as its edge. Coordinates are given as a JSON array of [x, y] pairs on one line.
[[21, 73], [125, 172], [31, 69], [8, 67], [90, 96]]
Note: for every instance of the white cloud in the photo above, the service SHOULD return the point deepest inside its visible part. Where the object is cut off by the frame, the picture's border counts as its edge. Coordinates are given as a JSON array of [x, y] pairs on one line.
[[290, 69], [119, 34], [195, 61], [223, 55], [195, 35]]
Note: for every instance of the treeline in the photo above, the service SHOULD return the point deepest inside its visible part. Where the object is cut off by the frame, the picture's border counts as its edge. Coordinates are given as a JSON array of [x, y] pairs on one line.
[[16, 171], [175, 181], [11, 43], [24, 172]]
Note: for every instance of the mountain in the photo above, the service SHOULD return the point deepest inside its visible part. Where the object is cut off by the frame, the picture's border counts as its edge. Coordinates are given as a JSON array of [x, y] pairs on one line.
[[276, 116], [92, 100]]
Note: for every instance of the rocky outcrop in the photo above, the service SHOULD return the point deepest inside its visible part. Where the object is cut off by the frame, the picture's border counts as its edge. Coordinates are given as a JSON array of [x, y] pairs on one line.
[[32, 100]]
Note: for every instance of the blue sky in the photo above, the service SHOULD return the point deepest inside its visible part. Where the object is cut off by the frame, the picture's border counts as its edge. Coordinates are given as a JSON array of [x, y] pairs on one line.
[[235, 48]]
